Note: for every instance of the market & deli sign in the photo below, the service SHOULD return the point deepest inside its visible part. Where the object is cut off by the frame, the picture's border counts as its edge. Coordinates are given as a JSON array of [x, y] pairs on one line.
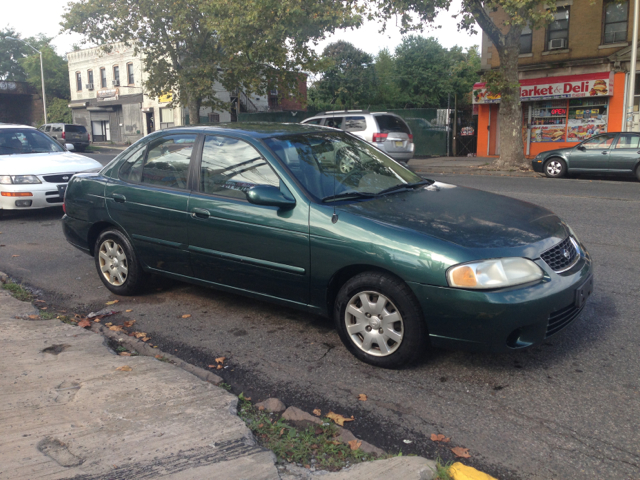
[[569, 86]]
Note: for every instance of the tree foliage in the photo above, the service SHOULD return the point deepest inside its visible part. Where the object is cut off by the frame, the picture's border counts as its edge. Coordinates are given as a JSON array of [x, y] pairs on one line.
[[11, 53], [189, 45]]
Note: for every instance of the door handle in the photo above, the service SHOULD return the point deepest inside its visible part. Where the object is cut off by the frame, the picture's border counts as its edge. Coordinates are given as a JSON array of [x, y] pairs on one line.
[[605, 153], [200, 213], [118, 197]]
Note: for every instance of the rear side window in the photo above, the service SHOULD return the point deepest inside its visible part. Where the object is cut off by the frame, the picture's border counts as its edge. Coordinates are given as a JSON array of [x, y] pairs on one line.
[[391, 123], [355, 124], [315, 121], [627, 140], [335, 122], [75, 129], [56, 128], [47, 128]]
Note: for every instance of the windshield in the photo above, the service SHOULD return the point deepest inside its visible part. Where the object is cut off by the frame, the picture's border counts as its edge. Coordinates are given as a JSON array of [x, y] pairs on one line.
[[14, 141], [333, 163]]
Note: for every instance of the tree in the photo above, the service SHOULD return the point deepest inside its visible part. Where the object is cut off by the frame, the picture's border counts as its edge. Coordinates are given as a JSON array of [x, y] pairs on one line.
[[189, 45], [11, 52], [505, 36], [388, 93], [56, 71], [350, 78]]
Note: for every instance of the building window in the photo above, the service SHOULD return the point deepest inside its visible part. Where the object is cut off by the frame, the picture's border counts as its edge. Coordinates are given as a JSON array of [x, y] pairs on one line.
[[90, 79], [116, 76], [78, 81], [526, 40], [558, 31], [616, 16], [103, 78], [130, 78], [214, 118]]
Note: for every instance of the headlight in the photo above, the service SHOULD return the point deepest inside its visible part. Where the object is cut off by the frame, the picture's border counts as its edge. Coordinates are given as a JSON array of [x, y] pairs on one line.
[[497, 273], [18, 179]]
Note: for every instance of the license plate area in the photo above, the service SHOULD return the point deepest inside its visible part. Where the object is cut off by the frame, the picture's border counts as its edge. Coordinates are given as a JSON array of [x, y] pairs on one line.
[[399, 144], [583, 292]]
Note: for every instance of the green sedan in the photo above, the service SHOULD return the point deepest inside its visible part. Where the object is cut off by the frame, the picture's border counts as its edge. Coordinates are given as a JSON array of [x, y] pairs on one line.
[[606, 153], [317, 219]]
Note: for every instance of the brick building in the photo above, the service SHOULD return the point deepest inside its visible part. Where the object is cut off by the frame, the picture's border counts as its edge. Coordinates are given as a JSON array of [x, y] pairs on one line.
[[573, 76]]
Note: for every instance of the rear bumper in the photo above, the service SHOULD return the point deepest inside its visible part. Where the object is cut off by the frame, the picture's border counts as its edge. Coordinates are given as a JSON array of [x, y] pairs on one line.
[[76, 232], [43, 195], [502, 321]]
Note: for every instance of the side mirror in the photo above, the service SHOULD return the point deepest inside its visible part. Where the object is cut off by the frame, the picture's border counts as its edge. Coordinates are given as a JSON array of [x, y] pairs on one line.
[[69, 146], [269, 196], [581, 148]]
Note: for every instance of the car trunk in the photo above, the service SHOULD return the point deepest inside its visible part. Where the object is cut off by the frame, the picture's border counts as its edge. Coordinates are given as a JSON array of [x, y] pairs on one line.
[[75, 133], [399, 138]]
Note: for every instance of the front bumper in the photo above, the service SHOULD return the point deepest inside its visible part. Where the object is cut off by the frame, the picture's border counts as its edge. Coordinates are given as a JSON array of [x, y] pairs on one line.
[[537, 164], [43, 195], [504, 320]]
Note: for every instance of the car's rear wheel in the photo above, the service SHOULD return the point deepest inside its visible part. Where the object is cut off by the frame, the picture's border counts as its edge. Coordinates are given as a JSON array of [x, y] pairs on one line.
[[117, 264], [638, 172], [555, 168], [379, 320]]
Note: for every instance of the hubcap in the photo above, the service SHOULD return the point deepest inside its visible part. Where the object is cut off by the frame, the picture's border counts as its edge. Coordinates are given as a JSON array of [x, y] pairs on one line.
[[113, 263], [374, 323], [554, 167], [347, 165]]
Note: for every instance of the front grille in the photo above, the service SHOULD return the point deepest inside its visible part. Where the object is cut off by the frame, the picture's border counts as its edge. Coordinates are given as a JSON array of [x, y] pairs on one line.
[[64, 178], [560, 319], [562, 256]]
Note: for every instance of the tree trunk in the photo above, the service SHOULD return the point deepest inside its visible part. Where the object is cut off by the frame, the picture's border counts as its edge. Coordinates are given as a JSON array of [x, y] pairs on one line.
[[194, 111], [510, 113]]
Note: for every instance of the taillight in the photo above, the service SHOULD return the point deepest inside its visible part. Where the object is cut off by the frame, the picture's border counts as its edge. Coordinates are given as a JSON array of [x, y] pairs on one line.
[[411, 137], [380, 137], [63, 135]]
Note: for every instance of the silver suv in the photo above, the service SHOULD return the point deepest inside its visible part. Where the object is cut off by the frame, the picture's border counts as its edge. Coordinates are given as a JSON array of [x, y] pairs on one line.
[[64, 133], [387, 131]]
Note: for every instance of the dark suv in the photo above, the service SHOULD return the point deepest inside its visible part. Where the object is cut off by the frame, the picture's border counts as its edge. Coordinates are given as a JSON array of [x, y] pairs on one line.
[[64, 133]]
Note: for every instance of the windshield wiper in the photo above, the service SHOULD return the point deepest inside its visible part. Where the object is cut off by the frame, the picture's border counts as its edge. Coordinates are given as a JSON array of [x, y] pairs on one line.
[[347, 195], [403, 186]]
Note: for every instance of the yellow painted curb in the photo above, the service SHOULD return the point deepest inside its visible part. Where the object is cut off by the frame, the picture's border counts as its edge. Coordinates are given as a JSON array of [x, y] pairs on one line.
[[458, 471]]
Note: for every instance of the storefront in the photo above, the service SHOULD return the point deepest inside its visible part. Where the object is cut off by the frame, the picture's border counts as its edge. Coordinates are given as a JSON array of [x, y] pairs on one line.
[[557, 112]]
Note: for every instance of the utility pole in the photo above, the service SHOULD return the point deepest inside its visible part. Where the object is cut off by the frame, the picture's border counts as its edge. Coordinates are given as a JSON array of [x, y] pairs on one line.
[[631, 118], [44, 95]]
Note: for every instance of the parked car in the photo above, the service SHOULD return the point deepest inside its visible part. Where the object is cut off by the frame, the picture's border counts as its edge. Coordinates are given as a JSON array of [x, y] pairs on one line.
[[35, 170], [614, 152], [387, 131], [265, 210], [64, 133]]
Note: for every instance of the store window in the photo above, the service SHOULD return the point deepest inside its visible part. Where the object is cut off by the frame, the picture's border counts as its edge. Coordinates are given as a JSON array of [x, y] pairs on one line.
[[166, 117], [526, 38], [587, 117], [103, 78], [616, 16], [558, 31], [78, 81], [214, 118]]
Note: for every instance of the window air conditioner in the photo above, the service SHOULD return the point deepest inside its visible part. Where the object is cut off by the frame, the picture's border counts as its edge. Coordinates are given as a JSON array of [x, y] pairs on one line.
[[116, 83], [557, 43], [89, 86]]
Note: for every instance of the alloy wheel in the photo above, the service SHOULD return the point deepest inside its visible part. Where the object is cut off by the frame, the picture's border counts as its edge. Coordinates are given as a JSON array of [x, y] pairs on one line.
[[554, 168]]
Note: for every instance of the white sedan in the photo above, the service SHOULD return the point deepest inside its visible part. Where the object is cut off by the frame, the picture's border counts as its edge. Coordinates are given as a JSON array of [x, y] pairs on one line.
[[34, 169]]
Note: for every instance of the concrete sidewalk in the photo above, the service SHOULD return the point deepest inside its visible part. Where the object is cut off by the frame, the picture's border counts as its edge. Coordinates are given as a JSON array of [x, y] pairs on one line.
[[465, 166], [71, 408]]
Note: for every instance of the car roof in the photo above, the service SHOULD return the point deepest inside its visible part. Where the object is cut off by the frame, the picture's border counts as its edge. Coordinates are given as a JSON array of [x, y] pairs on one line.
[[250, 129], [15, 125]]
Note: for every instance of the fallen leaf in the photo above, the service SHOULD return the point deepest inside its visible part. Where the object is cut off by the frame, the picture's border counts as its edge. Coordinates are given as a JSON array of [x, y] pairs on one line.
[[44, 308], [220, 359], [112, 302], [159, 356], [317, 412], [129, 323], [362, 397], [354, 444], [461, 452], [212, 366], [281, 432], [261, 425], [115, 328], [339, 419], [96, 319], [333, 442], [129, 311], [437, 438], [34, 317], [146, 339], [186, 316], [13, 256], [307, 466], [219, 367], [40, 301], [313, 446], [139, 334], [108, 324], [84, 323], [319, 431], [124, 354], [124, 368]]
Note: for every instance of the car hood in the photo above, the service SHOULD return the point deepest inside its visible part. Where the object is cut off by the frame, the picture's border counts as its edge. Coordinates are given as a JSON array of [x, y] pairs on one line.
[[467, 217], [557, 151], [45, 163]]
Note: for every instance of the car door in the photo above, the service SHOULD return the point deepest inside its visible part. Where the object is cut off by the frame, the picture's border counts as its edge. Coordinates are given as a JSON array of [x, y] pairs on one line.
[[256, 248], [625, 153], [593, 154], [149, 201]]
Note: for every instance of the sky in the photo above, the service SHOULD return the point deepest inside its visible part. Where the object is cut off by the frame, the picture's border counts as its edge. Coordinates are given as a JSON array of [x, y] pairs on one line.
[[30, 17]]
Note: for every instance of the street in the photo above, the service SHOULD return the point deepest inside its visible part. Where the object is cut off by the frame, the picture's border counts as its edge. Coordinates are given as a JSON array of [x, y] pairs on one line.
[[567, 409]]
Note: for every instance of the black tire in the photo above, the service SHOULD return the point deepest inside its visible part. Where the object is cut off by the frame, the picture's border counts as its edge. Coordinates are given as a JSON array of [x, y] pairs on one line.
[[638, 172], [555, 168], [400, 299], [116, 243], [79, 148]]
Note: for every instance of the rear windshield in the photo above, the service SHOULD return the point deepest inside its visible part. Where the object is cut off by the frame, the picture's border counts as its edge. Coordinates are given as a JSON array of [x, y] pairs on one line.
[[391, 123], [75, 129]]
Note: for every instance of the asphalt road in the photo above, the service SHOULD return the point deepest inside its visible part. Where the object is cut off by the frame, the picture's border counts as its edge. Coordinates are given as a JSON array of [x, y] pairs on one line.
[[568, 409]]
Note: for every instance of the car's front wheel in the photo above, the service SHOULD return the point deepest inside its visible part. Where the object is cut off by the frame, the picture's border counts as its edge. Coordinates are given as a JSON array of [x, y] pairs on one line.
[[555, 168], [117, 264], [379, 320]]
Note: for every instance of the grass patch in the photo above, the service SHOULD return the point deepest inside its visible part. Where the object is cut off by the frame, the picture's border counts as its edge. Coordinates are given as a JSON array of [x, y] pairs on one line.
[[18, 291], [47, 315], [226, 386], [315, 445], [442, 470]]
